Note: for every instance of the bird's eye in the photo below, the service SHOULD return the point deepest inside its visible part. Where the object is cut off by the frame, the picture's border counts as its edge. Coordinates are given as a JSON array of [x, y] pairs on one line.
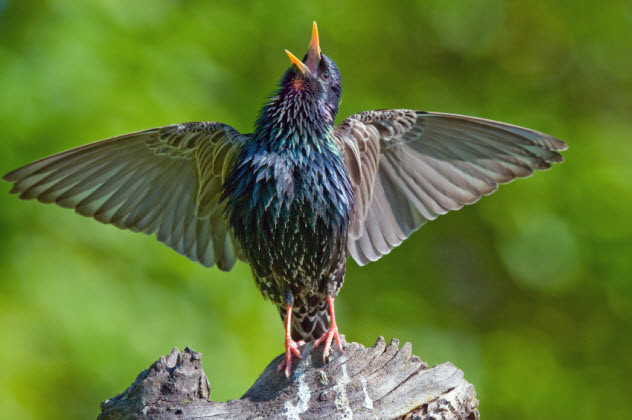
[[324, 75]]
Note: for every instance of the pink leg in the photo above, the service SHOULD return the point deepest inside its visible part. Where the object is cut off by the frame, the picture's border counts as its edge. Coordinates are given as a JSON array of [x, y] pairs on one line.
[[291, 346], [332, 333]]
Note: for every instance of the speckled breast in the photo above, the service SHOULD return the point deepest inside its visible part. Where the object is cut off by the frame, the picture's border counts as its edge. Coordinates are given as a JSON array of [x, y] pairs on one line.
[[294, 231]]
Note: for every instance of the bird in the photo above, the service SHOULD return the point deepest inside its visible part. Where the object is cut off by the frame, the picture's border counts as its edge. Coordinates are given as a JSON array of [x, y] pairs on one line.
[[299, 196]]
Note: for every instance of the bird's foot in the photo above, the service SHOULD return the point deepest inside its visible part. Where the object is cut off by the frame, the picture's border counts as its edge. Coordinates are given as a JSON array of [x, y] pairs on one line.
[[291, 350], [328, 337]]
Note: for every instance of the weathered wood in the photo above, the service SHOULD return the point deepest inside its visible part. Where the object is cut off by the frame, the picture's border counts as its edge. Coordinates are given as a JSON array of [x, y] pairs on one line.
[[380, 382]]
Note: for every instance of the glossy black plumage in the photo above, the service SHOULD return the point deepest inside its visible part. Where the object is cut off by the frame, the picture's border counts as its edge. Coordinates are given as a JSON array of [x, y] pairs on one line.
[[289, 198], [296, 197]]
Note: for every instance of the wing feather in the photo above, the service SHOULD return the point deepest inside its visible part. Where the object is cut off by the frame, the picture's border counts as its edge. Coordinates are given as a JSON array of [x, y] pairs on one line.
[[164, 181], [408, 167]]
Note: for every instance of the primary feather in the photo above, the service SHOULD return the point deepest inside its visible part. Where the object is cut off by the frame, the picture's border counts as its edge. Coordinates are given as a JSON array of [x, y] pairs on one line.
[[164, 181], [408, 167]]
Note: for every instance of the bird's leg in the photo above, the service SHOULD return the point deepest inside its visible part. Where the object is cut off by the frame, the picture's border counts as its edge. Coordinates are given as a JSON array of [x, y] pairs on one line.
[[291, 346], [332, 333]]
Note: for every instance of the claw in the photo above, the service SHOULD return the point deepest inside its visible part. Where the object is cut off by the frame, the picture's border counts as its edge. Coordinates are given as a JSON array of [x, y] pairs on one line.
[[328, 337], [291, 346], [331, 334], [291, 349]]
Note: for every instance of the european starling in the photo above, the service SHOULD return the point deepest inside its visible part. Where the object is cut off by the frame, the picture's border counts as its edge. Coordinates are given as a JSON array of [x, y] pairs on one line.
[[299, 195]]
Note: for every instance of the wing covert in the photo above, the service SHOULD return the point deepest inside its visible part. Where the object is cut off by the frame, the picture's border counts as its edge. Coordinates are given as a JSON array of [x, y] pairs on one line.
[[408, 167], [164, 181]]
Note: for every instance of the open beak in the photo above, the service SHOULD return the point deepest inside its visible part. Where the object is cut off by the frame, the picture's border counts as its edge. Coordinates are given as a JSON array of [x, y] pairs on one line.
[[312, 58], [298, 63]]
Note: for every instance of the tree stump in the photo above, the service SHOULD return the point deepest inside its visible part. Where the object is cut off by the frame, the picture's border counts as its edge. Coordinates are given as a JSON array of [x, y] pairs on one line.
[[380, 382]]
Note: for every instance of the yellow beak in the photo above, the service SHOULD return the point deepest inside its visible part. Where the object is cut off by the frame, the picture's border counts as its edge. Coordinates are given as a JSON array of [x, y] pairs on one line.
[[313, 51], [313, 54], [298, 63]]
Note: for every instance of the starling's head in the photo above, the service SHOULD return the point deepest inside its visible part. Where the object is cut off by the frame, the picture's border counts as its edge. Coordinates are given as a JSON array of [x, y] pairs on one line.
[[315, 78]]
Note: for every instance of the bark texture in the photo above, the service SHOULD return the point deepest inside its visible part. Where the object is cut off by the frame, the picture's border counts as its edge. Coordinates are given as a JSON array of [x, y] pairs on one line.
[[380, 382]]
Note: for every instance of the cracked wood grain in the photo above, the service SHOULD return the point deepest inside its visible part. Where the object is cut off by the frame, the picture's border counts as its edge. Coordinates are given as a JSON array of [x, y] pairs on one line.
[[379, 382]]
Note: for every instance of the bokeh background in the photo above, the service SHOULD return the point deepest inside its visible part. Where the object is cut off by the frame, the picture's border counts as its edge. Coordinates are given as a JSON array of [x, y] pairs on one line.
[[529, 291]]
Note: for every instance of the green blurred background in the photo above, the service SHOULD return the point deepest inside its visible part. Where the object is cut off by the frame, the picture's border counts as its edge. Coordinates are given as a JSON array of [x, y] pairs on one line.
[[529, 291]]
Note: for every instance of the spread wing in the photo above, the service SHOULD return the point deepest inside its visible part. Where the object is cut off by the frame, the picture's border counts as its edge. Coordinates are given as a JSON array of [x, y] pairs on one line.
[[165, 181], [408, 167]]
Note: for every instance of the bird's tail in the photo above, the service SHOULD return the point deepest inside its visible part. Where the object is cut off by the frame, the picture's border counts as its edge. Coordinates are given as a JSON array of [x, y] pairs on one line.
[[309, 321]]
